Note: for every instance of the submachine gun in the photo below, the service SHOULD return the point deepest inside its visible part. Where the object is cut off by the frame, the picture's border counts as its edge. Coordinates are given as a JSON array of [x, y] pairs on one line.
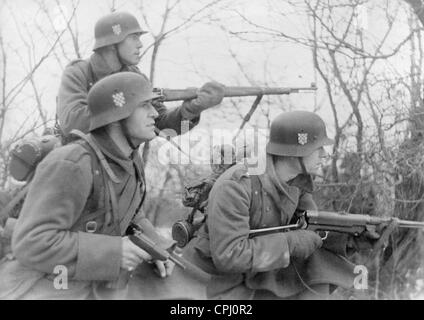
[[323, 222], [326, 221]]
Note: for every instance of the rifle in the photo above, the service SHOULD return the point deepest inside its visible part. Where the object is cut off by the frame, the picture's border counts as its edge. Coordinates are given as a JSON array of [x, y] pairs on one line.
[[343, 222], [191, 93]]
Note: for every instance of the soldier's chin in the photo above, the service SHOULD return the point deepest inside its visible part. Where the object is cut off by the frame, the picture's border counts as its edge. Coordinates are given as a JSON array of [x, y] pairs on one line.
[[137, 60], [152, 135]]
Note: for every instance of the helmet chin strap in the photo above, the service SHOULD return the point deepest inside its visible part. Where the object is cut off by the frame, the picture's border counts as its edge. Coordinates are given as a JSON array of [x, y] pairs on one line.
[[302, 165], [118, 56], [274, 178], [303, 180]]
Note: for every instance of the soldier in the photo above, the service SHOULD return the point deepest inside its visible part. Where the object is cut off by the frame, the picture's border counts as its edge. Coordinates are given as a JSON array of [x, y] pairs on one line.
[[293, 265], [117, 48], [82, 200]]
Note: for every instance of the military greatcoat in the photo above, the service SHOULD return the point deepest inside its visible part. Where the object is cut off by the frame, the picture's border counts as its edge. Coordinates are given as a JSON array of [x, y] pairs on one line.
[[56, 226], [248, 268], [80, 76]]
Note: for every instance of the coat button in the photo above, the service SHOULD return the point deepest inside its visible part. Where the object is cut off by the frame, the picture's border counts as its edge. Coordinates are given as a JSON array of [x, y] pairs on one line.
[[267, 209], [91, 226]]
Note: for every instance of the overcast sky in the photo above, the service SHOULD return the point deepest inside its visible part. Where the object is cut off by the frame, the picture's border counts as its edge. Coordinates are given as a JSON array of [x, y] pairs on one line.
[[189, 58]]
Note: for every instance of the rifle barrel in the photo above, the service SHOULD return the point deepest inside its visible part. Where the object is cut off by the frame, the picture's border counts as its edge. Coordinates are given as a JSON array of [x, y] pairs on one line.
[[191, 93], [410, 224]]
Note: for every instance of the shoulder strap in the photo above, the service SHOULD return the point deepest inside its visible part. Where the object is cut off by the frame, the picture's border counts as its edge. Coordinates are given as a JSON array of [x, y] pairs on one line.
[[101, 182], [91, 142], [256, 197], [98, 203]]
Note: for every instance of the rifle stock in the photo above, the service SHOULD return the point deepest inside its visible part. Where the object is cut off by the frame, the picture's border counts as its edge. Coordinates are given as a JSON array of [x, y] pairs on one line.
[[191, 93]]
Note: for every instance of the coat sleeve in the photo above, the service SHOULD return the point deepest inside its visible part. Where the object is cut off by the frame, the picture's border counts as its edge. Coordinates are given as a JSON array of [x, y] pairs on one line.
[[172, 119], [72, 105], [43, 238], [228, 222]]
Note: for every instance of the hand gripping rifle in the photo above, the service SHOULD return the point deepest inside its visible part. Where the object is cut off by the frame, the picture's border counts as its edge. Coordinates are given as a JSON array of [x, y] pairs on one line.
[[354, 224]]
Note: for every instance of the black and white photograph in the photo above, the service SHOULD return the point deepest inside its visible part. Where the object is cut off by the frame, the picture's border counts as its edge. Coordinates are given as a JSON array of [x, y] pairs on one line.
[[197, 151]]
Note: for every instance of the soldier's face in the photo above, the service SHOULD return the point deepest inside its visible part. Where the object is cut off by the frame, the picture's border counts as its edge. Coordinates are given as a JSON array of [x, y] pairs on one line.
[[314, 161], [140, 125], [129, 50]]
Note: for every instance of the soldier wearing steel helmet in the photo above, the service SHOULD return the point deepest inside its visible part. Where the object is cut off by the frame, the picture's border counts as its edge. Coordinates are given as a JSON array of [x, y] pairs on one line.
[[118, 48], [82, 200], [293, 265]]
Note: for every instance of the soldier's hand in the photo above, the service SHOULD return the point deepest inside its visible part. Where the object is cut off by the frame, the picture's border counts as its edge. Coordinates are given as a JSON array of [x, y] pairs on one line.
[[164, 268], [365, 241], [208, 96], [132, 255], [302, 243]]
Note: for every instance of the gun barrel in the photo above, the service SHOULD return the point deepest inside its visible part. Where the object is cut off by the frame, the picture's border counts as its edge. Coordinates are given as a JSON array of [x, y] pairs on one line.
[[191, 93], [349, 219], [342, 218], [410, 224]]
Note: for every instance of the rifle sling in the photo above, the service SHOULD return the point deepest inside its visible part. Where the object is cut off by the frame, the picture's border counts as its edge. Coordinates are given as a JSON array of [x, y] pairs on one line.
[[111, 195], [92, 143]]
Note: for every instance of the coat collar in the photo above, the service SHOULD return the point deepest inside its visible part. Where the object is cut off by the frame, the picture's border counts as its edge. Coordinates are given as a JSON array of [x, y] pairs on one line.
[[101, 68], [272, 190], [280, 199], [111, 151]]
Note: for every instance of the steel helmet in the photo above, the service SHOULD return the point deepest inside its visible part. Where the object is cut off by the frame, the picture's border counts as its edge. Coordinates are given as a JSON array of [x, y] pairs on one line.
[[115, 97], [297, 134], [114, 28]]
